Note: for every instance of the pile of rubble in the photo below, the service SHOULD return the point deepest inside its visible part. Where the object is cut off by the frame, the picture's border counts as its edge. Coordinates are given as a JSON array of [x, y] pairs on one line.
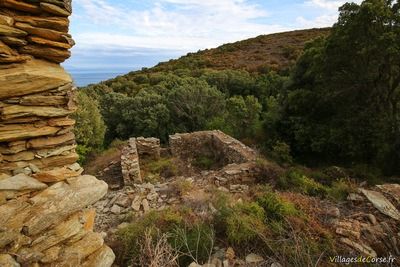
[[43, 196], [372, 226]]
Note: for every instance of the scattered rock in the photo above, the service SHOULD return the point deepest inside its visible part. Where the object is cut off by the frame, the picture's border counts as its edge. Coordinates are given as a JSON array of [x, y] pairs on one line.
[[372, 219], [355, 197], [136, 203], [362, 248], [152, 197], [254, 258], [382, 204], [116, 209], [123, 225], [230, 254], [123, 201], [238, 188], [391, 189], [146, 206], [333, 212]]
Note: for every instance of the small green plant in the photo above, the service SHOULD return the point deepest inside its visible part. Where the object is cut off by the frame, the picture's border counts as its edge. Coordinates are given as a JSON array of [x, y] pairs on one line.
[[321, 177], [183, 186], [237, 223], [297, 181], [83, 151], [276, 209], [341, 189], [244, 223]]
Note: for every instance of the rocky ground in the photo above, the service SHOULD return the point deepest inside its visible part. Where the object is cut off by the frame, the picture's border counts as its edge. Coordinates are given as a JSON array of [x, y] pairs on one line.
[[367, 223]]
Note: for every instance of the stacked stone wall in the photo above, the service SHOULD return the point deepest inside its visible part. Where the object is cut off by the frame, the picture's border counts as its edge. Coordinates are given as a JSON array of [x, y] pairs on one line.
[[43, 195], [130, 163]]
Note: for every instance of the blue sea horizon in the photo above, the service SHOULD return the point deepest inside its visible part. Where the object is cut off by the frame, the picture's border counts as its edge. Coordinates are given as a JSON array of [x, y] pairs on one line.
[[86, 77]]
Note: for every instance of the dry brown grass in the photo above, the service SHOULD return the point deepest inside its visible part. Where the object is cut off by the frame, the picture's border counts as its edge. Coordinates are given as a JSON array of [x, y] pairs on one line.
[[156, 252]]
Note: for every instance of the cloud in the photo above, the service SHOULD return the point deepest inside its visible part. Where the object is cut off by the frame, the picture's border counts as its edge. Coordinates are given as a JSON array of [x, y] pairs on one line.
[[170, 24], [329, 5], [332, 5], [318, 22], [328, 10]]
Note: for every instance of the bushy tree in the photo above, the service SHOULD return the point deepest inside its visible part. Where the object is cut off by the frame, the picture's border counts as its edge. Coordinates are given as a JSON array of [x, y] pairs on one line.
[[90, 128], [243, 115], [193, 104], [345, 98]]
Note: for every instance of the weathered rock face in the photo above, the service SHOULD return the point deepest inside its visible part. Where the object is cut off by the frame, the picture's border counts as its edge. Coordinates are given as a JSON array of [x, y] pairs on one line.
[[43, 197]]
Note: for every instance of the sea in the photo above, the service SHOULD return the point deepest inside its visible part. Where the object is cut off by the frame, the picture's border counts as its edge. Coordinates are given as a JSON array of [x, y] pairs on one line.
[[86, 77]]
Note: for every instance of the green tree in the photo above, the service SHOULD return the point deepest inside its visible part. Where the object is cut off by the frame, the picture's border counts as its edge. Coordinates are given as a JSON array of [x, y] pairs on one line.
[[344, 101], [90, 128], [243, 115], [193, 104]]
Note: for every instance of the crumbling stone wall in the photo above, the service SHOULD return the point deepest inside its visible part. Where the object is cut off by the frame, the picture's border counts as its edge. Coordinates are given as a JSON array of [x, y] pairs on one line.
[[229, 150], [130, 163], [148, 147], [42, 193]]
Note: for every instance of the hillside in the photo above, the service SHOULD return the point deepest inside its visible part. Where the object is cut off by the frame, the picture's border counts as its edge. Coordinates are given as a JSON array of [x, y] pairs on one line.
[[276, 51], [266, 152]]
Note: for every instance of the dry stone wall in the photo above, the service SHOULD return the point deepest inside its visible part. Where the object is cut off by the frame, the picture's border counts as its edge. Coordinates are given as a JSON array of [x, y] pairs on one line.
[[148, 147], [43, 196], [130, 163], [230, 150]]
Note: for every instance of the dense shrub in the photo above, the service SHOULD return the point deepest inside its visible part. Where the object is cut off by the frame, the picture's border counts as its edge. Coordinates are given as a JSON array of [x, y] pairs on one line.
[[281, 153], [242, 223], [90, 127], [297, 181], [276, 208], [340, 189]]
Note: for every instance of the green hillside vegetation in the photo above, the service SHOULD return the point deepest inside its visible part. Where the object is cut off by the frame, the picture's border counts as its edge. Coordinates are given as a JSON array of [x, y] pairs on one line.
[[333, 100], [274, 51]]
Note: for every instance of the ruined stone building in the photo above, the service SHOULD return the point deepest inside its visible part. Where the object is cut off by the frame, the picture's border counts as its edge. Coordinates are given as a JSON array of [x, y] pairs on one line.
[[43, 197]]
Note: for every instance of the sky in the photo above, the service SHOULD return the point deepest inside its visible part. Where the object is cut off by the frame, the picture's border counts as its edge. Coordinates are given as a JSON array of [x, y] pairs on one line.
[[120, 35]]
